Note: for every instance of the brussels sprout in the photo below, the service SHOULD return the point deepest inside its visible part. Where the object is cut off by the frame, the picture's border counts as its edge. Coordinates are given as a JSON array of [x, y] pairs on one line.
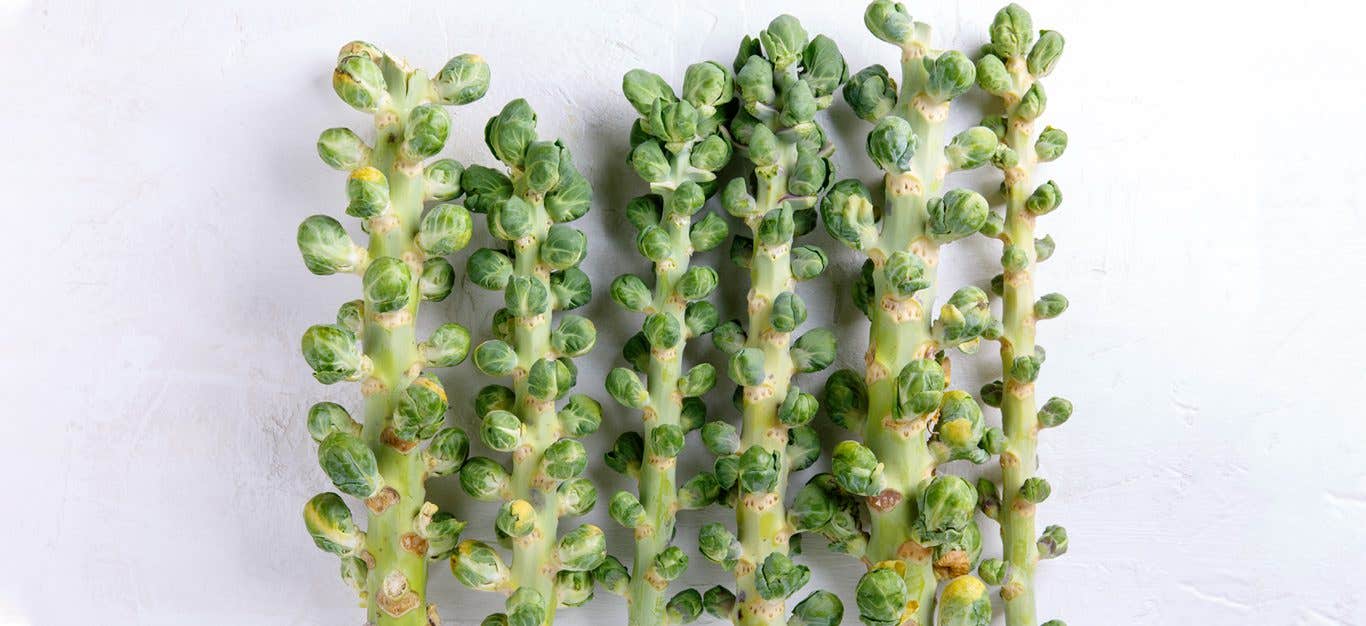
[[871, 93], [484, 479], [325, 418], [437, 279], [945, 508], [808, 176], [549, 379], [1035, 489], [670, 563], [729, 338], [848, 215], [626, 510], [808, 261], [993, 77], [696, 283], [958, 214], [350, 464], [329, 523], [477, 566], [1044, 55], [1051, 144], [495, 358], [776, 228], [509, 133], [754, 80], [891, 144], [719, 602], [1053, 542], [823, 67], [541, 165], [857, 469], [626, 453], [727, 470], [464, 79], [631, 293], [698, 380], [758, 470], [964, 602], [351, 316], [881, 595], [797, 408], [485, 188], [666, 440], [342, 149], [571, 289], [988, 499], [789, 311], [564, 459], [501, 431], [1054, 412], [720, 438], [625, 387], [446, 228], [846, 399], [334, 354], [493, 398], [803, 447], [1043, 248], [966, 316], [779, 577], [1050, 306], [971, 148], [654, 243], [718, 545], [813, 351], [699, 491], [700, 317], [426, 131], [905, 273], [326, 247], [526, 296], [441, 180], [642, 89], [359, 82], [746, 367], [581, 549], [710, 154], [672, 122], [367, 193], [1025, 368], [447, 451], [420, 408], [1012, 31], [684, 607], [960, 427], [1032, 103], [783, 41], [650, 163], [573, 588], [612, 575], [888, 21], [516, 518], [692, 414], [821, 608], [950, 75], [387, 285]]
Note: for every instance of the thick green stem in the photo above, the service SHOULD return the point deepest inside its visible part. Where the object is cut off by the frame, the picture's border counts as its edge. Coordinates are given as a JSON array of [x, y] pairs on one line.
[[1018, 415], [761, 518]]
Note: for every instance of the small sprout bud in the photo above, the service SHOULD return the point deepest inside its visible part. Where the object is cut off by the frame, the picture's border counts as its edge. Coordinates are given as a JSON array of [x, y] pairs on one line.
[[797, 408], [541, 166], [729, 337], [1054, 412], [464, 79], [501, 431], [991, 393], [626, 453], [741, 251], [666, 440], [631, 293], [563, 247], [700, 317], [696, 283], [441, 180], [426, 131], [494, 398], [813, 351], [846, 399], [848, 214], [684, 607], [964, 602], [905, 273], [857, 469], [871, 93], [1012, 31], [993, 77], [437, 279], [889, 21], [334, 354], [516, 518], [489, 269], [988, 498], [803, 447], [495, 358], [350, 464], [958, 214], [574, 337], [571, 289], [946, 506], [808, 176], [445, 229], [719, 602], [706, 84], [823, 66], [509, 133], [758, 470], [789, 311], [718, 545], [699, 491], [736, 199], [1032, 103], [881, 595], [420, 409], [720, 438], [612, 576], [526, 296], [746, 367], [351, 316], [564, 459], [960, 427], [577, 496], [992, 571], [1051, 144], [671, 563], [367, 193], [342, 149], [325, 418], [483, 478], [708, 232], [650, 163], [1050, 306], [699, 380], [626, 510], [643, 88], [654, 243], [1044, 199], [949, 76], [387, 285], [1053, 542], [1035, 489], [326, 247], [783, 41], [1025, 368], [891, 144], [808, 261], [778, 577], [820, 608], [994, 441], [448, 450], [1014, 258], [919, 388], [1043, 248], [478, 566], [329, 523], [582, 549], [1044, 55], [359, 82], [727, 470], [971, 148]]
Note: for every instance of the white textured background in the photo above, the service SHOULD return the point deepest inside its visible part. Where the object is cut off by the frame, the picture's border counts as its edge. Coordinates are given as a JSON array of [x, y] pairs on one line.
[[158, 156]]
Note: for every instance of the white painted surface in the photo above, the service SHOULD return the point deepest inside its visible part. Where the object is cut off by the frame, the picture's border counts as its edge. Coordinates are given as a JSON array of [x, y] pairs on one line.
[[160, 154]]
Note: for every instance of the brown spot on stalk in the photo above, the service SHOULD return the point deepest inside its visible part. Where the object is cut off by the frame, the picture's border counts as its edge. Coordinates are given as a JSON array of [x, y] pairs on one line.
[[394, 598], [1009, 460], [755, 302], [927, 250], [368, 558], [391, 439], [777, 251], [663, 462], [1022, 507], [767, 609], [531, 322], [899, 310], [652, 577], [759, 501], [876, 371], [885, 501], [1016, 176], [1023, 127], [394, 319], [527, 539], [666, 266], [878, 257], [775, 338], [911, 551], [413, 371], [433, 618], [648, 414], [932, 111], [903, 184], [1011, 590], [904, 429], [371, 386], [380, 502], [952, 564], [521, 453], [384, 222], [1019, 389], [665, 354], [644, 531], [744, 567], [759, 392], [414, 543]]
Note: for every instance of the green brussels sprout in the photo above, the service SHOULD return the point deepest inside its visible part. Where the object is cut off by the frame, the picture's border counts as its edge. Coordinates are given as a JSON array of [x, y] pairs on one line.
[[813, 351], [700, 317], [351, 316], [541, 166], [326, 247], [848, 214], [573, 588], [511, 220], [1014, 258], [945, 507], [966, 316], [447, 451], [526, 296], [776, 228], [524, 607], [778, 577], [672, 122], [1053, 542], [612, 575], [495, 358], [671, 563], [699, 380], [387, 284], [1025, 368], [727, 470], [719, 602], [572, 196], [1050, 306], [882, 596], [1005, 158], [959, 556], [477, 566], [971, 148], [1044, 199], [958, 214], [746, 367], [889, 21], [464, 79], [820, 608], [564, 459], [798, 105], [797, 407], [325, 418], [763, 148], [823, 67], [710, 154], [993, 571], [707, 84], [960, 427], [964, 602], [950, 75], [446, 228], [892, 143], [719, 545], [808, 261], [571, 289], [485, 188], [484, 479], [426, 131], [350, 464], [803, 447], [736, 199], [846, 399], [643, 211], [994, 441], [684, 607], [720, 438], [575, 336], [420, 409], [857, 469], [342, 149], [650, 163], [441, 180], [1051, 144], [686, 199], [754, 78], [666, 440], [1054, 412], [1035, 489], [696, 283], [367, 193], [692, 414], [626, 510], [509, 133], [1043, 248], [1044, 55], [1012, 31], [563, 247], [636, 351], [494, 398], [699, 491], [329, 523], [1032, 103], [631, 293], [354, 572], [783, 41], [625, 387], [501, 431], [581, 549], [988, 499], [334, 354], [642, 89], [654, 243], [577, 496], [871, 93], [662, 330], [437, 279], [758, 470], [905, 273], [864, 291], [729, 337], [813, 506], [789, 311], [359, 82], [516, 518], [993, 77]]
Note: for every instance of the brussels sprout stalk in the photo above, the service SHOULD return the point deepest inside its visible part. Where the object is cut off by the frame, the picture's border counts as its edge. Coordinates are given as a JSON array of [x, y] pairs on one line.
[[1016, 59], [677, 144], [783, 79], [529, 209], [910, 424], [380, 460]]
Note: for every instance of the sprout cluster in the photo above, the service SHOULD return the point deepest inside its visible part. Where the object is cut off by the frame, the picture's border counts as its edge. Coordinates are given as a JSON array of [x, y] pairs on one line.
[[1010, 68], [782, 79], [677, 145], [383, 461], [536, 419]]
